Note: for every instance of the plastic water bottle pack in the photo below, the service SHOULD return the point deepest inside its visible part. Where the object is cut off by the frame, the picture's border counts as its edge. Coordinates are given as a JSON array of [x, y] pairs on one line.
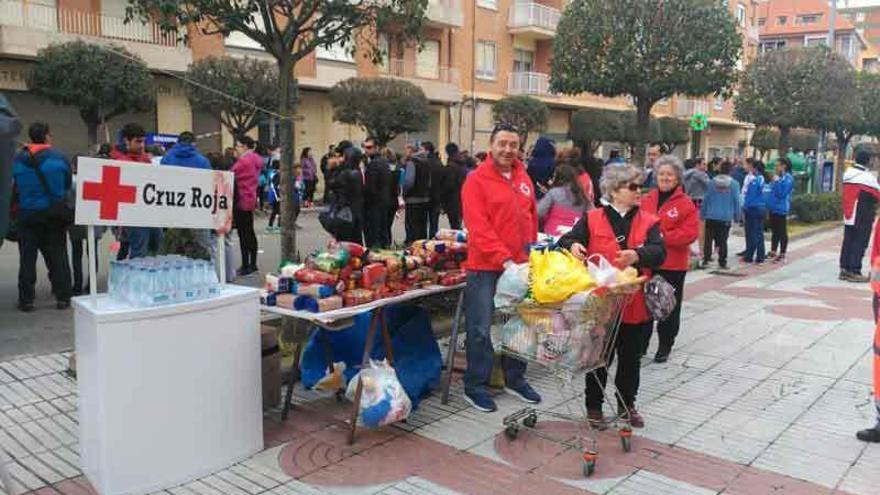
[[168, 279]]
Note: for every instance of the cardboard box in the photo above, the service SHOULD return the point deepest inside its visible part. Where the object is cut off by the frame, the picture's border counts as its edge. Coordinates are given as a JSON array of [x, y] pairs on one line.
[[271, 365]]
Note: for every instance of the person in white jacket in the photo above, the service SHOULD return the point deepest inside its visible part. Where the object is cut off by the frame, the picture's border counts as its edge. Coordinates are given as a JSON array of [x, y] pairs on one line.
[[861, 193]]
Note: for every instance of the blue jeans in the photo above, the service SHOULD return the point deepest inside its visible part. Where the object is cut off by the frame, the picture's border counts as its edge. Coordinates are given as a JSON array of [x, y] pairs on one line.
[[755, 233], [144, 241], [478, 310]]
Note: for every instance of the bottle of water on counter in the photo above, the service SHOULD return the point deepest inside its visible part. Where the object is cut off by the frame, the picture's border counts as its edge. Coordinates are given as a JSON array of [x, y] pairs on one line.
[[156, 281]]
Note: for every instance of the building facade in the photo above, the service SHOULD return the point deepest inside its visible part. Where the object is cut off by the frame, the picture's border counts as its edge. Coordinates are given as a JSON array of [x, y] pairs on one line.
[[473, 53]]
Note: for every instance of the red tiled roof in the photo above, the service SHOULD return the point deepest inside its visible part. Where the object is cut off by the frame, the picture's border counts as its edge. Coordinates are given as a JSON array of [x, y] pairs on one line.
[[773, 9]]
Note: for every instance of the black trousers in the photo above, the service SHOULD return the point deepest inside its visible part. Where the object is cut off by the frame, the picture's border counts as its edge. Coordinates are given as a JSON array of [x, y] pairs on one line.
[[779, 233], [247, 238], [627, 346], [667, 330], [717, 233], [433, 222], [309, 193], [354, 233], [454, 214], [276, 211], [50, 240], [417, 222], [77, 249], [375, 227], [855, 242]]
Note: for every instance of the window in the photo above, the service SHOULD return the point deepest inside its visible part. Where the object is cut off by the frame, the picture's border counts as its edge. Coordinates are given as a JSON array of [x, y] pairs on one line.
[[719, 103], [523, 61], [741, 14], [762, 21], [816, 41], [767, 46], [486, 67], [845, 47], [385, 54], [781, 20], [860, 17], [807, 19], [488, 4], [428, 60], [339, 52]]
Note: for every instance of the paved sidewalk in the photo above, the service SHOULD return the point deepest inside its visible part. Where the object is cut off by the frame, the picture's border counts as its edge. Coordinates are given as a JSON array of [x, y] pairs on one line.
[[768, 383]]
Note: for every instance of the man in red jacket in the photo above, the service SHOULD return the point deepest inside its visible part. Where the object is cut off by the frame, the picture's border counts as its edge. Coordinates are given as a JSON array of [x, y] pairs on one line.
[[500, 212]]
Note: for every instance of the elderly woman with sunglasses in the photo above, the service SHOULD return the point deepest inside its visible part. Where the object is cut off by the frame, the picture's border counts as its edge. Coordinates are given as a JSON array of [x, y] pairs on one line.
[[626, 236], [680, 225]]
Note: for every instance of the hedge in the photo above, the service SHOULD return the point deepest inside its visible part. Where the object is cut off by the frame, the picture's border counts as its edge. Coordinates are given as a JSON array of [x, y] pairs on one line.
[[811, 208]]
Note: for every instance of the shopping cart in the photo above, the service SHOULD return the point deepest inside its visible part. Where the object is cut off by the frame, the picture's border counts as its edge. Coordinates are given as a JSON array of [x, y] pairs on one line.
[[571, 340]]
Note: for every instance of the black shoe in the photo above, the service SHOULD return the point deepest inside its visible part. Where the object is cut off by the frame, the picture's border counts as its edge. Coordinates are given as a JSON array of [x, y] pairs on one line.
[[62, 304], [662, 355], [723, 265], [869, 435], [25, 307]]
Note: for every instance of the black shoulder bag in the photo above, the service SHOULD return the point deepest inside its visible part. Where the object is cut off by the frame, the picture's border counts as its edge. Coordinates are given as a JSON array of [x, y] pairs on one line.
[[59, 211]]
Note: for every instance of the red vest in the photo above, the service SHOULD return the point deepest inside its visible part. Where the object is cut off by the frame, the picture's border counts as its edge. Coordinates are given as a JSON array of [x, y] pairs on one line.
[[603, 241]]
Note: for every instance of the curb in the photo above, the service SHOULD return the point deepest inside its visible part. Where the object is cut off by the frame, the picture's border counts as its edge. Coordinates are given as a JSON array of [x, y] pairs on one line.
[[815, 230]]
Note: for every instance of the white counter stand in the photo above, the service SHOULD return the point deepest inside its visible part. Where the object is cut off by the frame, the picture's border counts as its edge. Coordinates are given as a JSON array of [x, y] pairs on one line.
[[167, 394]]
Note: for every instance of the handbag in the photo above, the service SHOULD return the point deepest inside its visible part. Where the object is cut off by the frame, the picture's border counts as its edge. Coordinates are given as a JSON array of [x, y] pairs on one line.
[[336, 219], [660, 298], [58, 210]]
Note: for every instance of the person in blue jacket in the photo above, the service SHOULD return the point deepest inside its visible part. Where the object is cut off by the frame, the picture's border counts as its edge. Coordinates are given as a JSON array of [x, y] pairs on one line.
[[185, 154], [720, 207], [754, 210], [779, 204]]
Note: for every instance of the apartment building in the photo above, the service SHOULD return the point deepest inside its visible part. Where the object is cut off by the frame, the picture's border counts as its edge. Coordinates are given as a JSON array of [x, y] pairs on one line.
[[865, 16], [474, 52], [793, 23]]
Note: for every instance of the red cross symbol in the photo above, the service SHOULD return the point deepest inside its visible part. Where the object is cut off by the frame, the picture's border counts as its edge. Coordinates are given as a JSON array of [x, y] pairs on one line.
[[109, 192]]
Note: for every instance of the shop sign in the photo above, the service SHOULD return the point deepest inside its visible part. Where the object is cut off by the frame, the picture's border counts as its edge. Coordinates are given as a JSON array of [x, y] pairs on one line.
[[111, 192]]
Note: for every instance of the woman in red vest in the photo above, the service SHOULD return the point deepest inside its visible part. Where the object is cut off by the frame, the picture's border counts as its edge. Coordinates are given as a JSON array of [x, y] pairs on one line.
[[680, 225], [626, 236]]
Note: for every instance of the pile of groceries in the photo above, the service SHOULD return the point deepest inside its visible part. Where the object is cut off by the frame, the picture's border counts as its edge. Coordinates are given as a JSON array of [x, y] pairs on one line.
[[346, 274], [560, 309], [161, 280]]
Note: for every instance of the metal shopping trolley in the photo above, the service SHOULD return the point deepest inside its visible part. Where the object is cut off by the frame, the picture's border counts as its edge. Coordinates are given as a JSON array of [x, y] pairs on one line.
[[570, 340]]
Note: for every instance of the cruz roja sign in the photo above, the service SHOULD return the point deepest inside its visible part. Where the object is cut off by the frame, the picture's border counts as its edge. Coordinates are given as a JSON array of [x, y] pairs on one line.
[[110, 192]]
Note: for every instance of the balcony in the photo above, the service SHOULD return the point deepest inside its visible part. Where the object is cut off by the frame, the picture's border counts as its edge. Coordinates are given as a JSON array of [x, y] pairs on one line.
[[25, 28], [533, 20], [439, 83], [529, 83], [688, 107], [444, 14]]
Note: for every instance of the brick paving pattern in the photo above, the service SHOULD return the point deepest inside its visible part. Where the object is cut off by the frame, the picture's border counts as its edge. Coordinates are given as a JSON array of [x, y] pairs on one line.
[[764, 391]]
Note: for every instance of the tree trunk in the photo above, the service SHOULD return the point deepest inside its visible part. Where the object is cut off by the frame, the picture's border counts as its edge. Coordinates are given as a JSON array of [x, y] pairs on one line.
[[92, 128], [643, 127], [783, 140], [287, 87]]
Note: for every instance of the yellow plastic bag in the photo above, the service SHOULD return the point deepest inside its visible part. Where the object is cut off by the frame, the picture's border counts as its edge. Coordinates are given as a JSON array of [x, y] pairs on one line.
[[557, 275]]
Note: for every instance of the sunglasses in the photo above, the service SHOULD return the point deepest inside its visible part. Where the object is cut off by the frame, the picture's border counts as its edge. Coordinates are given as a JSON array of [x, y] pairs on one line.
[[504, 126], [632, 186]]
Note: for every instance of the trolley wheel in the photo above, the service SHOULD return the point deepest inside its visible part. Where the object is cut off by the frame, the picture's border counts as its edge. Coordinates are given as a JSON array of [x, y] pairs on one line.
[[625, 439], [531, 420], [589, 468], [511, 431]]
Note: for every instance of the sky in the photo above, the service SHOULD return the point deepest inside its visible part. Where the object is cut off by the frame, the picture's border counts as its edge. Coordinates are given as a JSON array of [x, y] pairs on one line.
[[858, 3]]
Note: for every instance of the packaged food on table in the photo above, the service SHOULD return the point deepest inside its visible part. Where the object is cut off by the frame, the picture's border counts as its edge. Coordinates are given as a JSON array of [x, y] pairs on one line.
[[356, 297], [311, 276], [329, 261], [356, 263], [420, 275], [288, 269], [451, 235], [374, 275], [354, 249], [413, 262], [285, 301], [271, 282], [345, 273], [393, 260], [453, 277], [267, 298], [317, 291], [312, 305]]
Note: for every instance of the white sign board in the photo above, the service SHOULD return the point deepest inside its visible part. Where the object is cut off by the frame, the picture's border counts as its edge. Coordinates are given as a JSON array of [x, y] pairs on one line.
[[111, 192]]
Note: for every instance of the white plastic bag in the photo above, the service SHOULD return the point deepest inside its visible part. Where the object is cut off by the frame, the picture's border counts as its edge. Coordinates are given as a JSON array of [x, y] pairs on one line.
[[512, 286], [383, 400], [602, 270]]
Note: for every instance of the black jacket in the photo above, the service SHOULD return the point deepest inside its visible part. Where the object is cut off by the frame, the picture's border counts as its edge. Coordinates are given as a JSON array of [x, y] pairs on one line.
[[377, 177], [454, 174], [651, 255], [420, 172], [346, 188]]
